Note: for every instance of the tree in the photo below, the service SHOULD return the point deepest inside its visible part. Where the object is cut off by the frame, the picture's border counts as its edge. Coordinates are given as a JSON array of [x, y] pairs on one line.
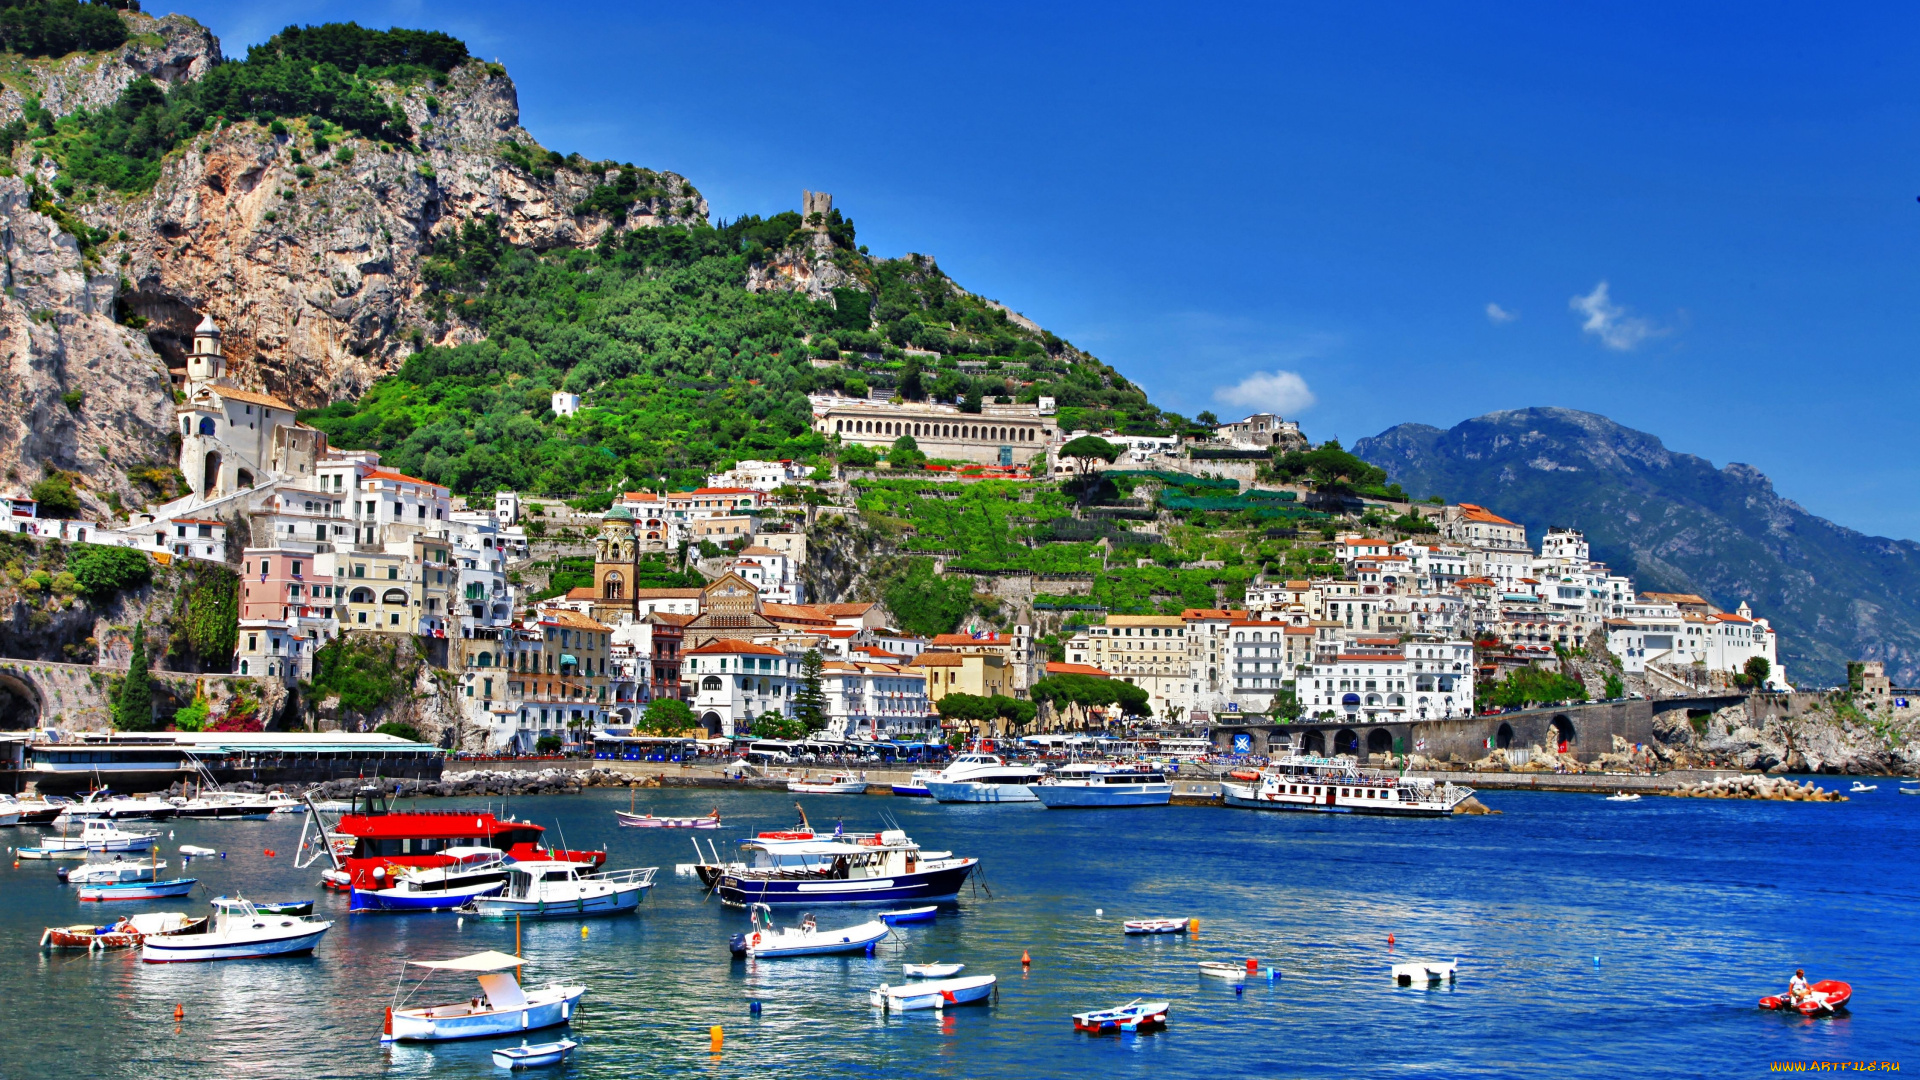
[[399, 731], [906, 454], [1613, 687], [193, 715], [911, 387], [1532, 685], [1755, 673], [810, 701], [774, 725], [926, 603], [548, 744], [1207, 419], [854, 455], [133, 705], [56, 496], [1329, 467], [1087, 449], [1088, 691], [666, 717]]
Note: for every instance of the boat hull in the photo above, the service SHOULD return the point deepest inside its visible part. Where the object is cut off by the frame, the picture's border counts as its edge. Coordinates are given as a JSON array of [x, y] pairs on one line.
[[852, 939], [648, 821], [937, 994], [539, 1011], [921, 887], [502, 907], [1073, 797], [182, 949], [528, 1057], [401, 900], [138, 890], [1244, 797], [851, 787], [968, 791], [912, 791], [909, 915]]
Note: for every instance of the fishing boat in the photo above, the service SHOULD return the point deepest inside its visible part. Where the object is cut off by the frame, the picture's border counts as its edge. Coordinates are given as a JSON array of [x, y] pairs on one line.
[[124, 932], [529, 1057], [1071, 786], [909, 915], [284, 907], [1135, 1015], [503, 1007], [1138, 927], [237, 931], [472, 872], [375, 836], [648, 821], [137, 890], [1425, 972], [556, 890], [836, 784], [765, 942], [931, 971], [888, 869], [1335, 785], [1859, 787], [1824, 998], [1622, 796], [1218, 970], [979, 778], [119, 871], [932, 994], [99, 834]]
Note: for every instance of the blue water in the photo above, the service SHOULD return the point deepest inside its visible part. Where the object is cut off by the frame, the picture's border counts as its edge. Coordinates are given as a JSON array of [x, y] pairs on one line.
[[1692, 908]]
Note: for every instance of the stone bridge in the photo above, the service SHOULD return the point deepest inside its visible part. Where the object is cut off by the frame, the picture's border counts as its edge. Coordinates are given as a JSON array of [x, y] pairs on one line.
[[1586, 731], [73, 697]]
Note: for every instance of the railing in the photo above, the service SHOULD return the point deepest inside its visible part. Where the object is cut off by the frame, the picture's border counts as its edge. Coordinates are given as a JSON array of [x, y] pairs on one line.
[[642, 876]]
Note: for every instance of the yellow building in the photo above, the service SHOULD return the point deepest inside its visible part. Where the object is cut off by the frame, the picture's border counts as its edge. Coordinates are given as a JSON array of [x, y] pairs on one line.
[[979, 674]]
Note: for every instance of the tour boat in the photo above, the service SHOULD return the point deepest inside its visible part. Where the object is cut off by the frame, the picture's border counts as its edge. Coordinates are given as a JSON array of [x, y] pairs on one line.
[[504, 1007], [124, 932], [1102, 785], [528, 1057], [137, 890], [118, 871], [909, 915], [931, 971], [557, 890], [1157, 926], [284, 907], [1425, 972], [977, 778], [837, 784], [1336, 785], [648, 821], [238, 931], [1824, 998], [473, 871], [1622, 796], [1135, 1015], [99, 834], [1219, 970], [887, 869], [765, 942], [377, 838], [932, 994]]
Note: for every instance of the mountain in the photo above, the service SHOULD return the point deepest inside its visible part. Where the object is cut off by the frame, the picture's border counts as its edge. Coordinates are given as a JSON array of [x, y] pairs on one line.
[[1678, 524]]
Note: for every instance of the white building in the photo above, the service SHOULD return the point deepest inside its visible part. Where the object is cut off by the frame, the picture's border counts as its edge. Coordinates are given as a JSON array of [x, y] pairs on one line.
[[729, 683], [877, 701], [565, 404], [760, 475], [1386, 681], [770, 572]]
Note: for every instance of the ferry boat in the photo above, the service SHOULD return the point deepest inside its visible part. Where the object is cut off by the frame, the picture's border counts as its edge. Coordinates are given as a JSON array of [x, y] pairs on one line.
[[887, 869], [983, 778], [1337, 786], [374, 836], [1103, 785]]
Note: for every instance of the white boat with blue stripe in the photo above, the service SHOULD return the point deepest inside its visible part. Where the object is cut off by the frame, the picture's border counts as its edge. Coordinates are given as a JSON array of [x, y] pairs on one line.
[[504, 1007], [1071, 786], [984, 778]]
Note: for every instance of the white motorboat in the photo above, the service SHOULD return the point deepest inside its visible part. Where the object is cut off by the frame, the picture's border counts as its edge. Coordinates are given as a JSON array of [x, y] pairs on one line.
[[1218, 970], [932, 994], [1137, 927], [1858, 786], [117, 872], [474, 872], [233, 806], [837, 784], [558, 890], [99, 834], [1425, 972], [529, 1057], [31, 810], [764, 942], [1336, 785], [9, 815], [931, 971], [101, 804], [238, 932], [1621, 796], [984, 778], [1073, 786], [504, 1007]]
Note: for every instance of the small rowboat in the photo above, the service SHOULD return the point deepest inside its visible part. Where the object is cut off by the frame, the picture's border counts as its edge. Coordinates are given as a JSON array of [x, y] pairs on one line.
[[138, 890], [931, 971], [287, 907], [51, 853], [128, 931], [648, 821], [1826, 997], [1424, 972], [908, 915], [1158, 926], [1135, 1015], [528, 1057], [936, 994], [1218, 970]]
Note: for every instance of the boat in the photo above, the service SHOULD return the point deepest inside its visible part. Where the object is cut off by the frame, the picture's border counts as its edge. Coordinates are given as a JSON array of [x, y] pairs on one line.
[[916, 786], [504, 1007], [118, 871], [932, 994], [1425, 972], [233, 806], [1858, 787], [1218, 970], [9, 816], [377, 836], [138, 890], [529, 1057], [1622, 796], [237, 931], [648, 821], [931, 971], [49, 853], [285, 907], [101, 803], [99, 834], [1135, 1015], [765, 942], [1336, 785], [1072, 786], [909, 915], [557, 890], [836, 784], [983, 778], [1910, 791], [31, 810], [888, 869], [473, 872], [196, 850], [124, 932], [1157, 926], [1824, 998]]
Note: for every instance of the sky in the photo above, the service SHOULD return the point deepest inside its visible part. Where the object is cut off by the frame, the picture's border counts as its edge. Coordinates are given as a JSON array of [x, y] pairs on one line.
[[1697, 219]]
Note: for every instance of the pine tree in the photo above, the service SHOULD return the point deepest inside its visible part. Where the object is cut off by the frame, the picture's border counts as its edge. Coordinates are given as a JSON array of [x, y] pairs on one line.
[[810, 701], [133, 707]]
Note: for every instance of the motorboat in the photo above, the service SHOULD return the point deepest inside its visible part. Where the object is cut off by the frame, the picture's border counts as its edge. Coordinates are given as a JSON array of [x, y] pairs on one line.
[[885, 869], [124, 932], [909, 915], [1824, 998], [1622, 796], [556, 890], [119, 871], [197, 851], [472, 872], [237, 931], [1859, 787], [1135, 1015], [1138, 927], [376, 836], [836, 784], [1336, 785], [648, 821], [1072, 786], [9, 816], [916, 786], [31, 810], [503, 1007], [984, 778], [103, 804], [99, 834], [765, 942], [1425, 972], [931, 971], [933, 993], [233, 806], [138, 890], [284, 907], [1219, 970], [532, 1056]]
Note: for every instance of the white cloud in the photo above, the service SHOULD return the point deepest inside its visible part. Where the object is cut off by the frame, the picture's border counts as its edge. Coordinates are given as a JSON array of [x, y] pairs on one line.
[[1610, 322], [1497, 314], [1282, 392]]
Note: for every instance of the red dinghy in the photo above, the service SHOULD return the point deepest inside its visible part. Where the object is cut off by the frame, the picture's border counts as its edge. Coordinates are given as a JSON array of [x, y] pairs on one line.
[[1828, 996]]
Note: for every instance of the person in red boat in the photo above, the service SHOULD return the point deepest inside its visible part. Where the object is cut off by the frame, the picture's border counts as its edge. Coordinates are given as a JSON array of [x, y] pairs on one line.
[[1797, 988]]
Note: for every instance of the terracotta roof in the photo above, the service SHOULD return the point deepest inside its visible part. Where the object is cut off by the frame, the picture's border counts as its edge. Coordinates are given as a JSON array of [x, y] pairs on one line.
[[760, 550], [1391, 658], [1485, 516], [1473, 581], [1212, 613], [725, 491], [967, 639], [731, 646], [799, 613], [251, 397], [572, 620], [1307, 630], [175, 521], [837, 610], [584, 592], [639, 496], [1724, 617], [671, 618], [937, 659], [1055, 667], [388, 474], [1674, 598]]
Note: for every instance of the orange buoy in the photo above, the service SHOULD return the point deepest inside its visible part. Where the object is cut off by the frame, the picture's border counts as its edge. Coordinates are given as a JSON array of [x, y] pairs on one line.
[[1025, 960], [716, 1037], [179, 1011], [1389, 941], [1193, 926], [269, 853], [388, 1030]]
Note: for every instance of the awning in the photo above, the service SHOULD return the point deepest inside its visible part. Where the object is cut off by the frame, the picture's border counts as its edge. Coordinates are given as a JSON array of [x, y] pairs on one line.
[[568, 658], [481, 961]]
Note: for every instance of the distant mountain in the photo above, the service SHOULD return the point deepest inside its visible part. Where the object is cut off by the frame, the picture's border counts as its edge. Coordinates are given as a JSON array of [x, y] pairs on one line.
[[1678, 524]]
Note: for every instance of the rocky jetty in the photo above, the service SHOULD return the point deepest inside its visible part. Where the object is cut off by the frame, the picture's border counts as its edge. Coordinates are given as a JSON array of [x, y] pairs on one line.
[[479, 782], [1777, 788]]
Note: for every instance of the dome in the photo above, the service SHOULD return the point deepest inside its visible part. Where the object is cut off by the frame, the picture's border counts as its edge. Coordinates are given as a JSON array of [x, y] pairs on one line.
[[618, 513], [206, 327]]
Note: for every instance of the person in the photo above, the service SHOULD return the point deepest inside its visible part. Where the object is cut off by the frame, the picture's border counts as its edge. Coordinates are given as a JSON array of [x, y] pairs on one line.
[[1797, 988]]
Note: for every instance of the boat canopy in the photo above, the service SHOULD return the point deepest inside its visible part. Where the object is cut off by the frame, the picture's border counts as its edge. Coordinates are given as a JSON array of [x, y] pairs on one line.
[[491, 960], [812, 847], [469, 854]]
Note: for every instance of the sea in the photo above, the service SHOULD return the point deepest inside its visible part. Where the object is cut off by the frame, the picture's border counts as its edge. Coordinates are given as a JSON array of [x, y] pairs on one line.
[[1594, 939]]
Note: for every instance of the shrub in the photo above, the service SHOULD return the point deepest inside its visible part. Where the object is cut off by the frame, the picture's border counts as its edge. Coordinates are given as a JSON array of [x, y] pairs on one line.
[[399, 731], [548, 744], [191, 716], [56, 496], [102, 572], [362, 669]]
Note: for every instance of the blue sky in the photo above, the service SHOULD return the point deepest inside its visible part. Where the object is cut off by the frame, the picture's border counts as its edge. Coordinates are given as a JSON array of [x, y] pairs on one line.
[[1697, 220]]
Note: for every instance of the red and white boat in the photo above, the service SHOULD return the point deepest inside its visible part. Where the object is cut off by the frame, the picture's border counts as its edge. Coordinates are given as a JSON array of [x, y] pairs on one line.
[[373, 842], [1824, 998], [125, 932]]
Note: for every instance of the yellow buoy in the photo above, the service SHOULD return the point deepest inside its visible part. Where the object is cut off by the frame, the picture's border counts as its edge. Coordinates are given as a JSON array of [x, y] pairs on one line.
[[583, 933], [1193, 926], [715, 1035]]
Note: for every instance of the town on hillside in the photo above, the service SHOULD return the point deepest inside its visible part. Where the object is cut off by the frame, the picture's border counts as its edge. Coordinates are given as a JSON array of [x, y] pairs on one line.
[[1407, 611]]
